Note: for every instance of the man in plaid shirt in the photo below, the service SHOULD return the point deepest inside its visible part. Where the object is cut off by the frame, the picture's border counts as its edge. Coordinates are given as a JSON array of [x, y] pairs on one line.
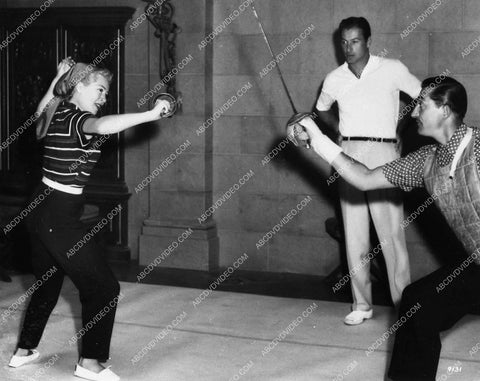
[[449, 172]]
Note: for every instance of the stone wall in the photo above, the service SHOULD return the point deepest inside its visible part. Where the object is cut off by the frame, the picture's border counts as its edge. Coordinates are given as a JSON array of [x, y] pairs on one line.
[[249, 128]]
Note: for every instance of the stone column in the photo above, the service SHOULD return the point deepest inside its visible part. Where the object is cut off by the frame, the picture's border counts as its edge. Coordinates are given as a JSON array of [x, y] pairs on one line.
[[180, 158]]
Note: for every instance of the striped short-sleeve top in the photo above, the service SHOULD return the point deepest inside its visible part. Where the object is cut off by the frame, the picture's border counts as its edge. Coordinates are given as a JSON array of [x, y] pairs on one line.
[[69, 156]]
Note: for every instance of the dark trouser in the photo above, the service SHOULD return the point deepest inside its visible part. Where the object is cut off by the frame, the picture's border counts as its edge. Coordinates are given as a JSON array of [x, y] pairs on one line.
[[416, 351], [55, 229]]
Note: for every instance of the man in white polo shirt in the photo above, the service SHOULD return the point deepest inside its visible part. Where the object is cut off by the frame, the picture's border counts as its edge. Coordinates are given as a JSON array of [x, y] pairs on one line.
[[366, 89]]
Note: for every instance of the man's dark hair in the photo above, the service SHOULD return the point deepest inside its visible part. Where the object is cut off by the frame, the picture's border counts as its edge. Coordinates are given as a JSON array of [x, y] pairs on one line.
[[447, 91], [356, 22]]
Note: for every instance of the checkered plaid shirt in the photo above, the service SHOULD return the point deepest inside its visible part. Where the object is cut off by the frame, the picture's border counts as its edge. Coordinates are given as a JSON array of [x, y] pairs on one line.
[[407, 172]]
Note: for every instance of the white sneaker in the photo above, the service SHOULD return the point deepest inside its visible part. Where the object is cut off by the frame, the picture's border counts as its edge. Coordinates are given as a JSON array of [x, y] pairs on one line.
[[104, 375], [357, 317], [17, 361]]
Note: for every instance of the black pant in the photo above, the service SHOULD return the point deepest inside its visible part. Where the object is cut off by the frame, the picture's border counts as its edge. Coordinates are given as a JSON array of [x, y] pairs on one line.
[[416, 351], [55, 229]]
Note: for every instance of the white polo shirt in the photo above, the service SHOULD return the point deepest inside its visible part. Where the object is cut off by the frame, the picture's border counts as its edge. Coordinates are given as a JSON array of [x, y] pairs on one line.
[[368, 106]]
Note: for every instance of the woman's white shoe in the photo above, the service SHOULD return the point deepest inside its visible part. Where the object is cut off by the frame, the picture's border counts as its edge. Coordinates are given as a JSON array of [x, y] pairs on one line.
[[17, 361], [104, 375]]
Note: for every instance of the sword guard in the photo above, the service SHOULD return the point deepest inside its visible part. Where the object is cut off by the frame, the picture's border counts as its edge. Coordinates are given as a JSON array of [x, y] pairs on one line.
[[171, 99], [294, 121], [299, 116]]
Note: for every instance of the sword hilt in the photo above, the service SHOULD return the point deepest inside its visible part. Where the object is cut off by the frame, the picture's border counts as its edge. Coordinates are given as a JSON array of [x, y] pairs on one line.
[[171, 99], [295, 121]]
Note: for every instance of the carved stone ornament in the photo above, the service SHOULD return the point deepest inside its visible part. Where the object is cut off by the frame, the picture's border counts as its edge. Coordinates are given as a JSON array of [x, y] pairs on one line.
[[160, 14]]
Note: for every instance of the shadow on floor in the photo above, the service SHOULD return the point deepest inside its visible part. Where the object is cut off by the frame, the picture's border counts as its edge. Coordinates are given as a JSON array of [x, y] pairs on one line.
[[272, 284]]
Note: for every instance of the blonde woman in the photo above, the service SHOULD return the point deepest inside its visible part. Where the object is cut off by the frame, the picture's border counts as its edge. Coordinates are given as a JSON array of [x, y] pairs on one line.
[[69, 129]]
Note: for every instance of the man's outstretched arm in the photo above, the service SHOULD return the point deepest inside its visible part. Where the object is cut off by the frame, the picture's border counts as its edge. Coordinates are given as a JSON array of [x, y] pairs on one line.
[[351, 170], [358, 174]]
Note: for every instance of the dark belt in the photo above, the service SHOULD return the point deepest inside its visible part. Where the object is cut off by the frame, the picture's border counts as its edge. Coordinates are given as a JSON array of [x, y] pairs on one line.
[[369, 139]]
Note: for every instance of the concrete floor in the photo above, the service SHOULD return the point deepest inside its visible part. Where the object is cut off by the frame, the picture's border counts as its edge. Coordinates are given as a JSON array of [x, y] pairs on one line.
[[223, 338]]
